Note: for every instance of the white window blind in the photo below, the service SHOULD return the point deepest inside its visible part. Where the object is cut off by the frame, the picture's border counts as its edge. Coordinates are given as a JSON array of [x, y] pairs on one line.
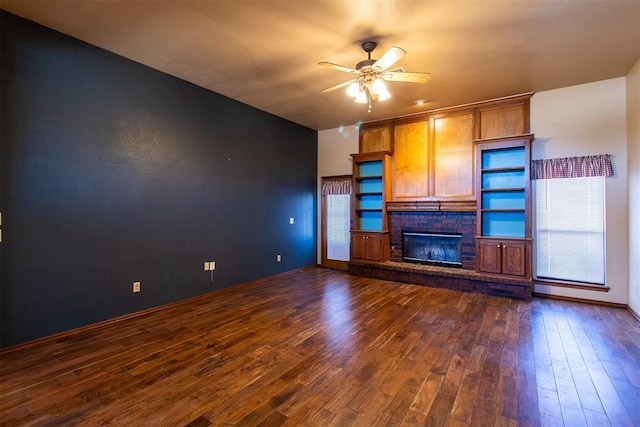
[[570, 233], [338, 224]]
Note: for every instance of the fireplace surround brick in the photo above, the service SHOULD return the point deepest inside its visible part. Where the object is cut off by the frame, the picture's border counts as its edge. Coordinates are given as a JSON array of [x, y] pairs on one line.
[[463, 223]]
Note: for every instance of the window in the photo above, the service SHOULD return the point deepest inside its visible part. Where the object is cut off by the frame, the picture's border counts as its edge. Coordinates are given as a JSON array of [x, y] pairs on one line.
[[338, 220], [570, 229], [570, 218]]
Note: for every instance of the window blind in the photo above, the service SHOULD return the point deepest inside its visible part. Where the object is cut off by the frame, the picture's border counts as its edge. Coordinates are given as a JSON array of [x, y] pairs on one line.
[[570, 233]]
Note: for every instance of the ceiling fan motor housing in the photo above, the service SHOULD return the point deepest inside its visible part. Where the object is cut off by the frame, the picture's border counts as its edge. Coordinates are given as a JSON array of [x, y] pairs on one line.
[[365, 66]]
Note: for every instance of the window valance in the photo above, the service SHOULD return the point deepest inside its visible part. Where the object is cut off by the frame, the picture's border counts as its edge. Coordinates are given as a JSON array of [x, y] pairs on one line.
[[336, 186], [572, 167]]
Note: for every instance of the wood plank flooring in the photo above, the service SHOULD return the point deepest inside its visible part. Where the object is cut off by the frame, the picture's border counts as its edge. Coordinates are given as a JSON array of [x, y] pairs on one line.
[[321, 347]]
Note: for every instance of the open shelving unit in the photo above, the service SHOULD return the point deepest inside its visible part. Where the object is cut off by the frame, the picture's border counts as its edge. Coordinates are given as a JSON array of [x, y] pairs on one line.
[[503, 216], [369, 229], [502, 192]]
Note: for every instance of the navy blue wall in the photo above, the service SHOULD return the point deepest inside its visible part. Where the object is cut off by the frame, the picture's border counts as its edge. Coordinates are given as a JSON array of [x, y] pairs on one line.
[[113, 173]]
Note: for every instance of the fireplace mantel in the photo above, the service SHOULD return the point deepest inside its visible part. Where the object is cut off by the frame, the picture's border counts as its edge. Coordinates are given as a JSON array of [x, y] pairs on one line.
[[432, 206]]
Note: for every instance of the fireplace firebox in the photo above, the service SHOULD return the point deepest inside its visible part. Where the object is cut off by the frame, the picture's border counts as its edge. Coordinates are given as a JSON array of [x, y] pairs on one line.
[[441, 249]]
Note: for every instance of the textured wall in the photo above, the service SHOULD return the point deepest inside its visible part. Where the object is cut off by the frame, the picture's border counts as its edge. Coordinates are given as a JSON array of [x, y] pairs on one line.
[[113, 172]]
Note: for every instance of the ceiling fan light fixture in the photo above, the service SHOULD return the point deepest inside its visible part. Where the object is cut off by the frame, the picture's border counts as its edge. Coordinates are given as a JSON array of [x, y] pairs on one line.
[[362, 97], [384, 95], [353, 89], [369, 83], [378, 87]]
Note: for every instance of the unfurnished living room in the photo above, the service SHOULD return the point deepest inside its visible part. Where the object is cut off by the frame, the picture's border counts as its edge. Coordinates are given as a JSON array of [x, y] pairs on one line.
[[322, 213]]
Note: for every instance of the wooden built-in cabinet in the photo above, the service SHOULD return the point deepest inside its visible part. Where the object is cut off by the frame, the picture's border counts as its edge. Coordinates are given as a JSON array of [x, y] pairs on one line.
[[433, 154], [503, 213], [433, 158], [410, 177], [370, 246], [496, 120], [502, 257], [376, 136], [453, 154], [369, 224], [433, 161]]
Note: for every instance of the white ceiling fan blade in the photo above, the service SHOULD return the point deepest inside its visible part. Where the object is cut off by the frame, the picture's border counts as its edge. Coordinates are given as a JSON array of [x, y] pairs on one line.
[[338, 67], [389, 58], [338, 86], [406, 77]]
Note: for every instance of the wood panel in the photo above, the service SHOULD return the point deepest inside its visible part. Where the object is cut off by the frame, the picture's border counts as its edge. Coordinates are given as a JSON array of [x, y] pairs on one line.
[[376, 137], [453, 156], [505, 121], [322, 347], [410, 176], [514, 258], [489, 256]]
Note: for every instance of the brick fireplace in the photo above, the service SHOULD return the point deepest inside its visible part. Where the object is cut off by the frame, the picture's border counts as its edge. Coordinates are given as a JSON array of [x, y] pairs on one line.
[[463, 223], [464, 279]]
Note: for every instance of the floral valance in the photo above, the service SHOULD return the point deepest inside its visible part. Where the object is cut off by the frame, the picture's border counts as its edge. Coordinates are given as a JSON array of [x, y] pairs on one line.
[[336, 186], [572, 167]]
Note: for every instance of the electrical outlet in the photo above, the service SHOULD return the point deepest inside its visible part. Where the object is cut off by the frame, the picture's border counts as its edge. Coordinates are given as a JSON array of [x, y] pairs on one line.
[[291, 220], [278, 258], [212, 265], [206, 266], [136, 287]]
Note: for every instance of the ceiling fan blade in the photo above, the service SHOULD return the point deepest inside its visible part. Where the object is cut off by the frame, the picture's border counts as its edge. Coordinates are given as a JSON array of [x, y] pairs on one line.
[[406, 77], [338, 86], [389, 58], [337, 67]]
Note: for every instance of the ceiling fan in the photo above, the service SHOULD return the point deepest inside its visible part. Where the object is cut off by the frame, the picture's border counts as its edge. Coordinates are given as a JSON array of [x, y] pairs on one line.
[[369, 75]]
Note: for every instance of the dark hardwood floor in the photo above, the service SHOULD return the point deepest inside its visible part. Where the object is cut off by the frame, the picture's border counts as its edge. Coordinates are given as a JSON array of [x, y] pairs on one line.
[[320, 347]]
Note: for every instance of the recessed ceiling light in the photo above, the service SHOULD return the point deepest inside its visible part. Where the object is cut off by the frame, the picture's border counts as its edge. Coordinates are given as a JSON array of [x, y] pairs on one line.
[[420, 101]]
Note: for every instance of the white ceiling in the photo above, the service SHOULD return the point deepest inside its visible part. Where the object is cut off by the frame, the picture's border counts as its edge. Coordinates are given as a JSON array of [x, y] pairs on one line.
[[265, 52]]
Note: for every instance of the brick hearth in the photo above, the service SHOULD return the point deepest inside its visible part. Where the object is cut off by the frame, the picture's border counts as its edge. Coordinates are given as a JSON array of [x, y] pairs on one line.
[[441, 277]]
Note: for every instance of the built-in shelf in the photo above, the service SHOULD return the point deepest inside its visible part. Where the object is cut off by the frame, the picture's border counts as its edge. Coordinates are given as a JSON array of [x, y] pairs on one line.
[[369, 229], [504, 237]]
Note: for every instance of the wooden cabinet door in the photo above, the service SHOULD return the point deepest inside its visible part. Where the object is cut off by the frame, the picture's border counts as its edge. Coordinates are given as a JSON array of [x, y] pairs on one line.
[[376, 137], [410, 176], [358, 246], [502, 257], [504, 121], [489, 256], [514, 258], [373, 247], [453, 158], [367, 246]]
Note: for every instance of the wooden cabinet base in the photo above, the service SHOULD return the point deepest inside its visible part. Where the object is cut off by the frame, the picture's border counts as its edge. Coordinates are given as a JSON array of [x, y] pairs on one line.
[[370, 246], [504, 256]]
